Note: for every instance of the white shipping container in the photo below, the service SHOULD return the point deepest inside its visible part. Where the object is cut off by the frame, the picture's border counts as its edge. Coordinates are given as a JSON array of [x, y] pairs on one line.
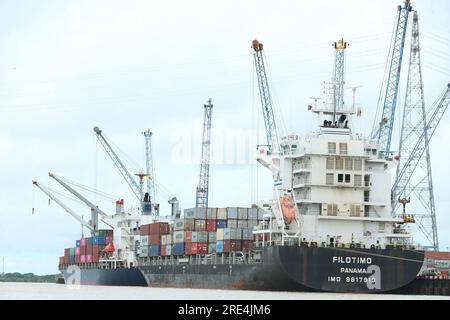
[[242, 213], [202, 236], [144, 241], [144, 251], [252, 223], [232, 223], [169, 250], [252, 214], [260, 214], [211, 213], [163, 240], [178, 237], [241, 224], [222, 214], [232, 213], [226, 234], [168, 239], [195, 213], [212, 236]]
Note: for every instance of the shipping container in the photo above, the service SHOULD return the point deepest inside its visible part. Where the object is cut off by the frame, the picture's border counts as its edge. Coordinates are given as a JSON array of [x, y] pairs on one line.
[[190, 248], [247, 234], [211, 213], [61, 260], [232, 223], [144, 241], [219, 246], [252, 223], [212, 247], [143, 251], [202, 248], [184, 225], [143, 230], [211, 225], [88, 249], [242, 224], [235, 245], [179, 237], [83, 258], [247, 245], [158, 228], [169, 250], [232, 213], [200, 225], [163, 241], [95, 258], [83, 250], [261, 237], [77, 251], [99, 240], [163, 250], [226, 246], [66, 252], [77, 259], [222, 214], [252, 213], [89, 241], [77, 243], [82, 242], [89, 258], [178, 249], [242, 214], [212, 237], [154, 250], [232, 234], [219, 234], [72, 251], [154, 239], [221, 224], [195, 213]]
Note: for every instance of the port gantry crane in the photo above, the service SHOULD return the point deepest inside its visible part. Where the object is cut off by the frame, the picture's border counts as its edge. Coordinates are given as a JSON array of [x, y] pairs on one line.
[[151, 188], [201, 200], [382, 131], [137, 189]]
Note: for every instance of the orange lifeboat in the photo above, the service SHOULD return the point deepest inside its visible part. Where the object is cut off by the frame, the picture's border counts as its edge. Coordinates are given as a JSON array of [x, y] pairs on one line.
[[109, 248], [288, 208]]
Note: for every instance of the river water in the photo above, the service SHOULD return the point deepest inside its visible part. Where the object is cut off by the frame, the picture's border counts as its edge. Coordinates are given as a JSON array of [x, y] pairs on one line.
[[51, 291]]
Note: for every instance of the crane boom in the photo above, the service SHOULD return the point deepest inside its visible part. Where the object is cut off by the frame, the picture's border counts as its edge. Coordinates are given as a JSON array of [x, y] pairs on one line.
[[201, 200], [383, 132], [266, 98], [419, 148], [137, 190], [62, 205], [94, 208]]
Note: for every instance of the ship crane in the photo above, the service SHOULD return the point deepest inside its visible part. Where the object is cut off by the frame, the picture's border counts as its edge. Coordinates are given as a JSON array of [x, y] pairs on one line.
[[95, 210], [382, 132], [135, 187], [151, 188], [405, 174], [79, 218], [201, 200], [266, 98]]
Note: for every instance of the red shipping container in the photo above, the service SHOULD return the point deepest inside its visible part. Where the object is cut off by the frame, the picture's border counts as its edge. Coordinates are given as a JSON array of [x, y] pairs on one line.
[[83, 258], [211, 225], [82, 242], [89, 258], [83, 250], [88, 250], [202, 248], [95, 258], [235, 245], [61, 260], [191, 248], [144, 230], [66, 252], [247, 245], [77, 251], [163, 251], [158, 228], [95, 249], [226, 246], [154, 239], [77, 259], [66, 260], [188, 236]]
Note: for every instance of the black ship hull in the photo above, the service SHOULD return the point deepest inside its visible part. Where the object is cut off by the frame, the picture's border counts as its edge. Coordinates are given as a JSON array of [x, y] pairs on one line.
[[104, 277], [288, 268]]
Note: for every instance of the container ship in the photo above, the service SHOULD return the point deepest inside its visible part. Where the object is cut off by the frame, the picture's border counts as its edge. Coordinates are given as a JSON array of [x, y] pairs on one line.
[[328, 227]]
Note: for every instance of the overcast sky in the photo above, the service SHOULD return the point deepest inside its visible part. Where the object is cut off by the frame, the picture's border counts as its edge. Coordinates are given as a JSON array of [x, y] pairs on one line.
[[125, 66]]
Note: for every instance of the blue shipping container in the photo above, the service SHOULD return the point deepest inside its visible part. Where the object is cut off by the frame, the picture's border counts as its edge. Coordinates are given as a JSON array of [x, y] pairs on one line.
[[178, 249], [219, 246], [221, 224], [88, 241], [78, 243], [232, 213], [154, 251], [99, 241]]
